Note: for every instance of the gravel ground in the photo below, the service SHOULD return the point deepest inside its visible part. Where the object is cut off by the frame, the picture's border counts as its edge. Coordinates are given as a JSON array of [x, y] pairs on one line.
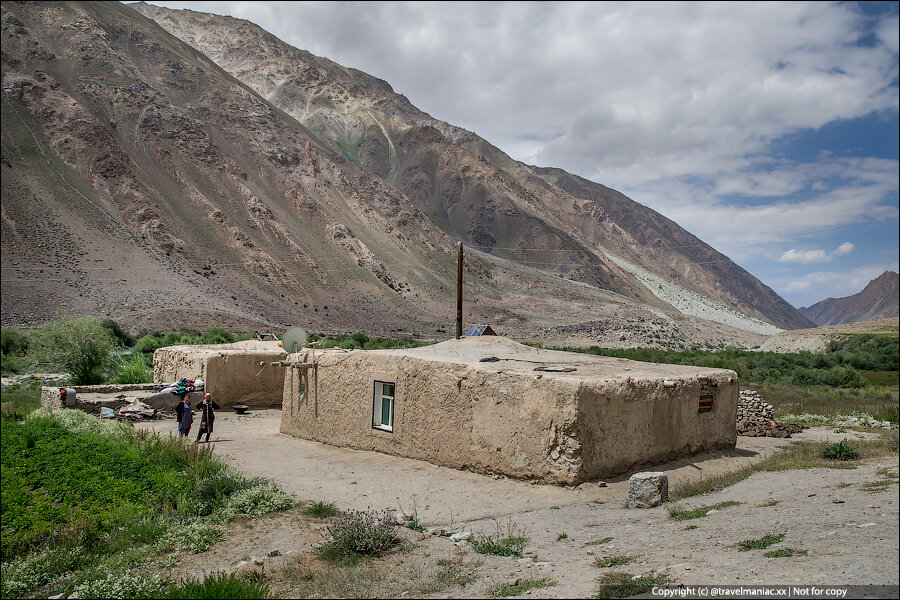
[[853, 541]]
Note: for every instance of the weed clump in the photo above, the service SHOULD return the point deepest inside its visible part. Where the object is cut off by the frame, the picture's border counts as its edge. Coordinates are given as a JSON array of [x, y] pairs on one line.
[[500, 543], [785, 553], [217, 585], [359, 533], [680, 513], [840, 451], [613, 561], [520, 587], [623, 585], [762, 543], [321, 510]]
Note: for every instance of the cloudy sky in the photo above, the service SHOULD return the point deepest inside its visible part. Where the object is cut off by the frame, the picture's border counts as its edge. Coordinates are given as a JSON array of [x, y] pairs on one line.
[[769, 130]]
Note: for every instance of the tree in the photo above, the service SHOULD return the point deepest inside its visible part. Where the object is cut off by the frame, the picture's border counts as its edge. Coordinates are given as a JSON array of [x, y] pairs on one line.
[[80, 345]]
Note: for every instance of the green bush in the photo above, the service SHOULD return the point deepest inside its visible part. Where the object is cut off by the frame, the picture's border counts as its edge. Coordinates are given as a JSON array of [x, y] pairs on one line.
[[11, 364], [840, 451], [258, 500], [148, 344], [125, 584], [80, 345], [133, 369], [839, 367], [122, 336], [13, 343], [179, 338], [217, 335]]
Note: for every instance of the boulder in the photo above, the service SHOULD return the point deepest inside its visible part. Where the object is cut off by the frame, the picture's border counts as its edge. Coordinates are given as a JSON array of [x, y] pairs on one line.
[[648, 489]]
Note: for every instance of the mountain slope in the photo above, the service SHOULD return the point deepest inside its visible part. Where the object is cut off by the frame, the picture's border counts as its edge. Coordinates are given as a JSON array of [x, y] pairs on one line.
[[143, 183], [878, 300], [546, 218]]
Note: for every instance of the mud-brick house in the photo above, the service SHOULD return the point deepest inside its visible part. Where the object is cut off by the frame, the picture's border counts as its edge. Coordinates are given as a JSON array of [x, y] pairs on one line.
[[491, 405]]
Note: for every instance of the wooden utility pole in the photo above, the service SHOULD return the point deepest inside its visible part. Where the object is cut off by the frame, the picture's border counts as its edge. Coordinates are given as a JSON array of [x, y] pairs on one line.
[[459, 265]]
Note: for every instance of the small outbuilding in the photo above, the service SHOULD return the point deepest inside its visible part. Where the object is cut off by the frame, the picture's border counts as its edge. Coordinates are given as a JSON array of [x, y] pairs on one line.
[[232, 373], [491, 405]]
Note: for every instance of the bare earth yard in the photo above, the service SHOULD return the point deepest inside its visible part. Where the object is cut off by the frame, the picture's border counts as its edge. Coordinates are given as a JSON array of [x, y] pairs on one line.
[[853, 542]]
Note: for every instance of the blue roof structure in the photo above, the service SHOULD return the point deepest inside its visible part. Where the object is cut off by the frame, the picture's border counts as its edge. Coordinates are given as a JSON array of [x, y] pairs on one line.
[[480, 330]]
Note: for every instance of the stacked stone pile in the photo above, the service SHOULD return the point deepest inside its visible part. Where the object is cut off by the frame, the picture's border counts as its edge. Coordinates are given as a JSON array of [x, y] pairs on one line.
[[752, 408], [756, 418]]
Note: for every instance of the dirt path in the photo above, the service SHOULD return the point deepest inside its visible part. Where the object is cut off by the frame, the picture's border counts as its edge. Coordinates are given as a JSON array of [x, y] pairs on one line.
[[852, 542]]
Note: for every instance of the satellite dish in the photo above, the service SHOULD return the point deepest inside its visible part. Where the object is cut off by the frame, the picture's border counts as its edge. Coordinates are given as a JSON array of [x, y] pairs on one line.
[[293, 340]]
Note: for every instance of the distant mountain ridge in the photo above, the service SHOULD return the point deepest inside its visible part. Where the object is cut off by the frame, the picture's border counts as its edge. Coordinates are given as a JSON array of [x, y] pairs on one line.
[[878, 300]]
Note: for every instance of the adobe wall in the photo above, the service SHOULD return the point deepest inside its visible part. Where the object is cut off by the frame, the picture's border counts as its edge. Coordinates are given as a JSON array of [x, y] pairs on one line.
[[632, 422], [231, 372], [451, 409], [447, 414]]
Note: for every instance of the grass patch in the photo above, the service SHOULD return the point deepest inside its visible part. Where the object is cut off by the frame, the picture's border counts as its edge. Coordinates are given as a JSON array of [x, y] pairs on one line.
[[799, 455], [86, 500], [415, 525], [889, 478], [321, 510], [605, 540], [882, 378], [562, 536], [448, 573], [785, 553], [691, 527], [218, 585], [680, 513], [829, 402], [613, 561], [763, 542], [623, 585], [20, 401], [510, 542], [520, 587], [768, 503]]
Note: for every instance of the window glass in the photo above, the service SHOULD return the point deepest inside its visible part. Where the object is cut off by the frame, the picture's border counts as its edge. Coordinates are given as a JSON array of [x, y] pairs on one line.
[[383, 406]]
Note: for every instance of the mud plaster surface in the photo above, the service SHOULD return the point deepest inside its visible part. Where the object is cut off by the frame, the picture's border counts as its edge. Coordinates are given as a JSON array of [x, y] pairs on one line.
[[600, 418], [854, 542]]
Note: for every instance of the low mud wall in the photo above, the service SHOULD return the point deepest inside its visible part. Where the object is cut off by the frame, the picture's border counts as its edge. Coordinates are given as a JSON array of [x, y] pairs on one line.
[[86, 396]]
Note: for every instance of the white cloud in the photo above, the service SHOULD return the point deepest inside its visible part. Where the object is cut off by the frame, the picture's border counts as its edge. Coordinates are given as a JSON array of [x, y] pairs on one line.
[[804, 256], [844, 249], [815, 256]]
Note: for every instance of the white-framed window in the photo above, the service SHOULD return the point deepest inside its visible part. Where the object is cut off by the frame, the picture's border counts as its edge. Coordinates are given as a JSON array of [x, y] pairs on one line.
[[383, 406]]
